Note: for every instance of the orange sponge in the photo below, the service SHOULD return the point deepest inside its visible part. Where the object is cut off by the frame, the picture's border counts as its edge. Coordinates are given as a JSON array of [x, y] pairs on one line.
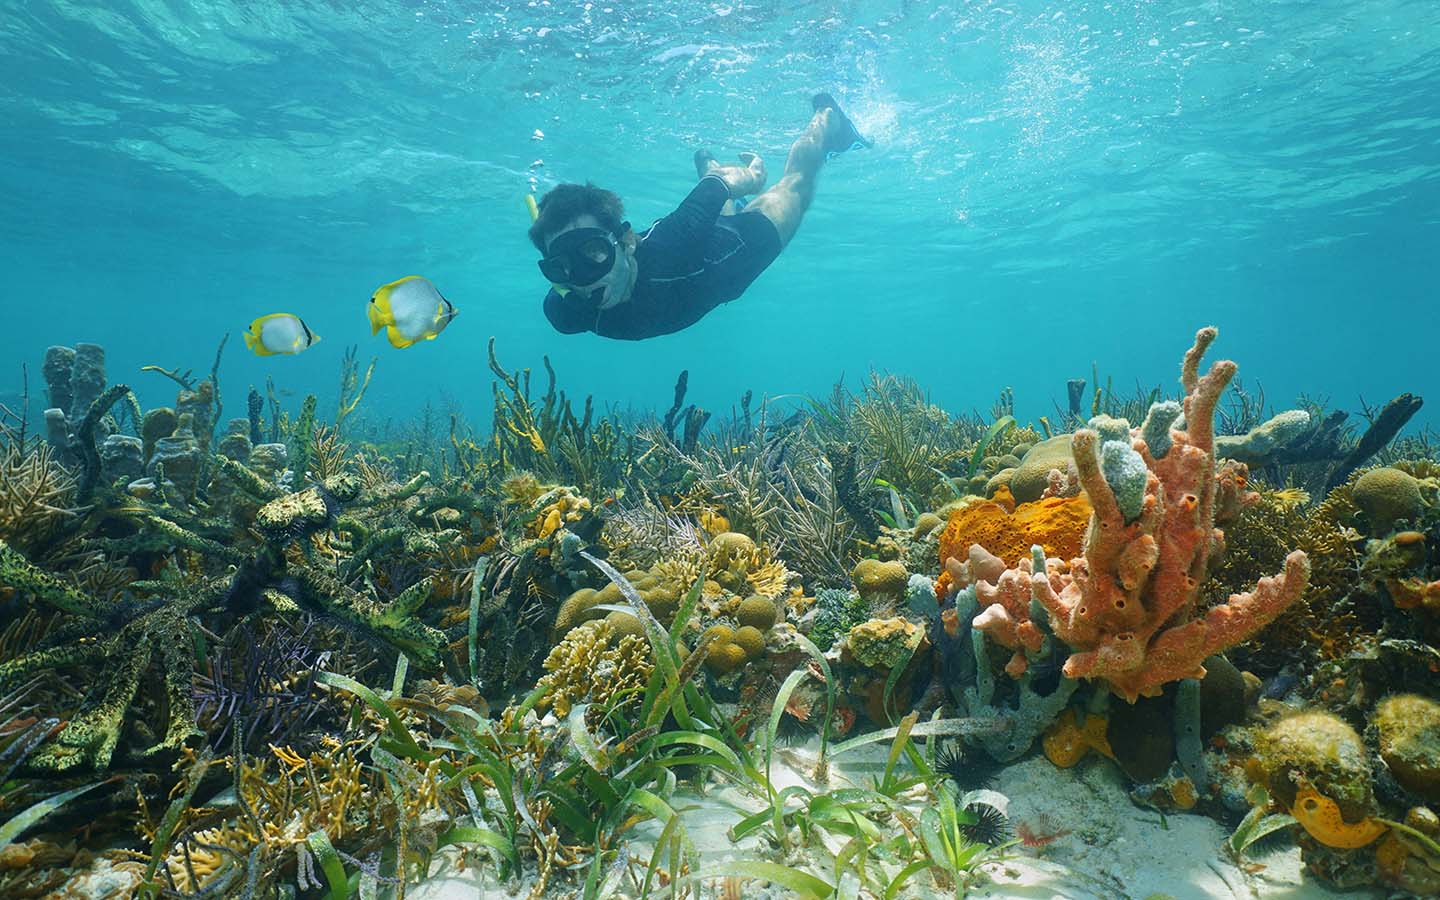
[[1057, 524]]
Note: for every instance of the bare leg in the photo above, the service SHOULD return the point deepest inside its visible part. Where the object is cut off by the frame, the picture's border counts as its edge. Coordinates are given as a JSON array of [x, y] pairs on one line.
[[787, 200]]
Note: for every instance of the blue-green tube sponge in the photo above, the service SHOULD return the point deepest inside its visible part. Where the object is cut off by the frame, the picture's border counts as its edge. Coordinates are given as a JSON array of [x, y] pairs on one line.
[[1155, 430], [1125, 472]]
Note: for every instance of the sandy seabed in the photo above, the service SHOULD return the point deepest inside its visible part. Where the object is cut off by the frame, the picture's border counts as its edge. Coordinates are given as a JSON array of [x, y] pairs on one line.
[[1115, 850]]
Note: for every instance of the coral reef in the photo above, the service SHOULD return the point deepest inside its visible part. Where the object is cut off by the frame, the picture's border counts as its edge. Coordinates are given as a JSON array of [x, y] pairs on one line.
[[1319, 752], [1128, 608], [880, 581], [1032, 475], [883, 643], [37, 497], [836, 612], [282, 653]]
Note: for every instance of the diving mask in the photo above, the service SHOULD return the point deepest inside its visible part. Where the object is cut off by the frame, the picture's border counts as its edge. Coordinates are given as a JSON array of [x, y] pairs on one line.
[[580, 256]]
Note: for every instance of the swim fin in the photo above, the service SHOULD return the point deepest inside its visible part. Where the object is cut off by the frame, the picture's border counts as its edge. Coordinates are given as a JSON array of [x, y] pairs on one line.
[[848, 137], [703, 159]]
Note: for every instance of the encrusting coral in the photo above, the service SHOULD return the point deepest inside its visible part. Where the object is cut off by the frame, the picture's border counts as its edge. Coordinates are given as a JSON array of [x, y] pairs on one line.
[[884, 643], [1407, 730]]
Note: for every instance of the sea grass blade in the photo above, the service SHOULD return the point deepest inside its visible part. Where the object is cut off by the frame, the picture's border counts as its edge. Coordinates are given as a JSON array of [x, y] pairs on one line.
[[330, 864]]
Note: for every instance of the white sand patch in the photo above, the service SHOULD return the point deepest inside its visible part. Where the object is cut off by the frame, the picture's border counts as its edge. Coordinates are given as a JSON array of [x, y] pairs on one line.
[[1114, 851]]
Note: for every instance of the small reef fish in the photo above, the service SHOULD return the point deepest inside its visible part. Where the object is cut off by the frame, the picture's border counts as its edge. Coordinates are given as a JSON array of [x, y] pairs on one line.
[[410, 310], [279, 333]]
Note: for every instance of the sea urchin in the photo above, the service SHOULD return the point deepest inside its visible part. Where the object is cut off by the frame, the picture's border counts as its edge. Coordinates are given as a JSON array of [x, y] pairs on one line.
[[988, 825], [969, 771]]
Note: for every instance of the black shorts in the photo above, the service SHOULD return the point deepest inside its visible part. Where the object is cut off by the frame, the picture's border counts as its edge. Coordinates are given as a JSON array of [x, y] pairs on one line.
[[742, 246]]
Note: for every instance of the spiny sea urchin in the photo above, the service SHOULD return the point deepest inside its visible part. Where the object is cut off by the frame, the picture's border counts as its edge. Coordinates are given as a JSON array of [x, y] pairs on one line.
[[969, 771], [989, 825], [792, 731]]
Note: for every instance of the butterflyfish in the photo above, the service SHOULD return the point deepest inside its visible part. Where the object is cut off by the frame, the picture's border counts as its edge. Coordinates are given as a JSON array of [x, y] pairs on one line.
[[410, 310], [279, 333]]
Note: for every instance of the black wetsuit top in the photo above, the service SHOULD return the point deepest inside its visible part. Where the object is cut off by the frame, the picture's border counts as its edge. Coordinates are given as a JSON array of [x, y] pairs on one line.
[[688, 263]]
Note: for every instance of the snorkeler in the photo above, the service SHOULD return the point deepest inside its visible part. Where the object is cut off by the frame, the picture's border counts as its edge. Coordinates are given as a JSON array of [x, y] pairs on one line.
[[619, 284]]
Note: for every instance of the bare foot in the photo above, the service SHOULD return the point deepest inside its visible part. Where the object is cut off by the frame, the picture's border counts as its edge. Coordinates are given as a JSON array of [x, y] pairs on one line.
[[756, 165]]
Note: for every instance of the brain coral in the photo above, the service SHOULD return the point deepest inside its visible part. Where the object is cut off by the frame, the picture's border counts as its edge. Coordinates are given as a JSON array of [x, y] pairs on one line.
[[1057, 524], [876, 578], [1387, 495], [1033, 473], [757, 611]]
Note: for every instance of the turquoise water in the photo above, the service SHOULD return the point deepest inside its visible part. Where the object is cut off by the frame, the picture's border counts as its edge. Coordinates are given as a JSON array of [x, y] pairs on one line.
[[1052, 184]]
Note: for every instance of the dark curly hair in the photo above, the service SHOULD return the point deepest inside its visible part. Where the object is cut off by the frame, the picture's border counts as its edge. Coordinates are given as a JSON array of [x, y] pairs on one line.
[[564, 202]]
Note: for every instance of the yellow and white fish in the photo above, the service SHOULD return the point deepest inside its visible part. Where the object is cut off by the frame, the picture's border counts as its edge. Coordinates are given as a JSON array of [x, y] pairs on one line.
[[410, 310], [279, 333]]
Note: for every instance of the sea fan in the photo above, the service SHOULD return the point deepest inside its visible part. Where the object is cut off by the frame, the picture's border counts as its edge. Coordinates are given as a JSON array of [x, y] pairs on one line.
[[37, 496]]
